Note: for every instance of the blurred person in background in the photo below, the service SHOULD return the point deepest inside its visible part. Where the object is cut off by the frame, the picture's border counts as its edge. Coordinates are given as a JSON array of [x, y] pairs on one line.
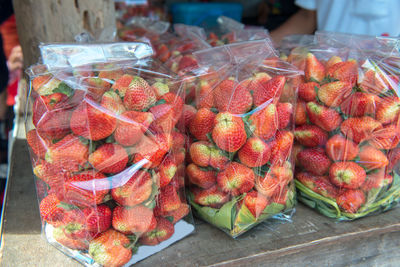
[[367, 17]]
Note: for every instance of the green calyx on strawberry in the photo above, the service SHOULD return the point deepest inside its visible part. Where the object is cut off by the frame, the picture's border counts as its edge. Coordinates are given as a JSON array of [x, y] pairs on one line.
[[163, 231]]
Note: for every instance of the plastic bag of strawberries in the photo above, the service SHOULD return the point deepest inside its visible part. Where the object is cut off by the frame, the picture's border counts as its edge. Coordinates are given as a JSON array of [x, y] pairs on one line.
[[107, 152], [347, 125], [240, 171]]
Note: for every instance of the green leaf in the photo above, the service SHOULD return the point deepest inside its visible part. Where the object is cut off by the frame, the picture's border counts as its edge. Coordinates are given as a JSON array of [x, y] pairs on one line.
[[110, 139], [170, 218], [84, 140], [64, 89], [371, 198]]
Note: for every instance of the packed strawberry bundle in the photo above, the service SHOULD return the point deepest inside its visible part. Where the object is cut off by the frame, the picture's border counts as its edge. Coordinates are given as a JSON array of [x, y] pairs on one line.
[[108, 154], [347, 130], [239, 168]]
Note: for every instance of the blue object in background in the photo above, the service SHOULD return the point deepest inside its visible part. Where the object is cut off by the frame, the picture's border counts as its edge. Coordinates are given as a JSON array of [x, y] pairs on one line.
[[204, 14]]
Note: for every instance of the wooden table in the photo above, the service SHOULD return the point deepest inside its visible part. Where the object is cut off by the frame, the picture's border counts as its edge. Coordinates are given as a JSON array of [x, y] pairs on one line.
[[310, 240]]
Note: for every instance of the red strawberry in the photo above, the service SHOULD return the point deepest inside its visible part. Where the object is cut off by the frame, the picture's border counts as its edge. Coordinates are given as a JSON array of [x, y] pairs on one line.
[[110, 249], [374, 81], [179, 213], [86, 188], [121, 85], [160, 89], [132, 191], [212, 197], [347, 174], [202, 178], [256, 203], [167, 170], [163, 53], [205, 95], [307, 91], [319, 184], [38, 144], [69, 152], [92, 121], [269, 185], [111, 101], [232, 97], [109, 71], [314, 160], [131, 127], [139, 95], [137, 219], [151, 150], [339, 148], [167, 115], [346, 71], [269, 91], [50, 210], [351, 200], [229, 133], [296, 150], [45, 84], [187, 63], [257, 79], [300, 114], [188, 114], [359, 104], [388, 110], [202, 124], [109, 158], [314, 70], [281, 147], [264, 123], [310, 135], [387, 137], [163, 231], [97, 86], [372, 158], [204, 154], [375, 180], [52, 174], [98, 218], [236, 179], [285, 111], [254, 153], [332, 61], [167, 200], [72, 243], [334, 93], [360, 128], [54, 124], [326, 118]]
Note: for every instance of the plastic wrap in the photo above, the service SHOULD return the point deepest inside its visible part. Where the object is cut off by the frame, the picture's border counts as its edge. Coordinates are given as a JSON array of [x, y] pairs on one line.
[[107, 150], [240, 170], [347, 125]]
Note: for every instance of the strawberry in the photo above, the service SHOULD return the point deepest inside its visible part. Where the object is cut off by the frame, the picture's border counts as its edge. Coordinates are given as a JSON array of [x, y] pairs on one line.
[[281, 147], [131, 126], [372, 158], [92, 121], [163, 231], [387, 137], [202, 124], [137, 219], [139, 95], [151, 150], [204, 154], [236, 179], [394, 158], [347, 174], [256, 203], [97, 86], [300, 114], [283, 173], [202, 178], [45, 84], [163, 53], [204, 94], [269, 91], [178, 140], [212, 197], [72, 243], [69, 152], [167, 200], [232, 97], [50, 209], [307, 91], [326, 118], [51, 174], [319, 184], [98, 218], [339, 148], [257, 79], [38, 144], [160, 89], [285, 111], [188, 114], [109, 158], [296, 150], [254, 153], [359, 104], [374, 180], [374, 81], [179, 213], [314, 69], [229, 133], [346, 71], [333, 94], [332, 61], [109, 71], [310, 135], [360, 128], [187, 63], [54, 124], [268, 185], [388, 110], [264, 123], [350, 200], [167, 115], [111, 101], [121, 85], [86, 188], [132, 191], [110, 248], [167, 170], [314, 160]]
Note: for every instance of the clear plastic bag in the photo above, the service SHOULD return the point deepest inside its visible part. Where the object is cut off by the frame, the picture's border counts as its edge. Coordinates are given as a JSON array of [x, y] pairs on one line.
[[107, 150], [240, 171], [347, 125]]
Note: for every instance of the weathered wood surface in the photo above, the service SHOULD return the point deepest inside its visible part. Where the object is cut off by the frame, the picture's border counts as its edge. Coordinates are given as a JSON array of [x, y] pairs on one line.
[[310, 240]]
